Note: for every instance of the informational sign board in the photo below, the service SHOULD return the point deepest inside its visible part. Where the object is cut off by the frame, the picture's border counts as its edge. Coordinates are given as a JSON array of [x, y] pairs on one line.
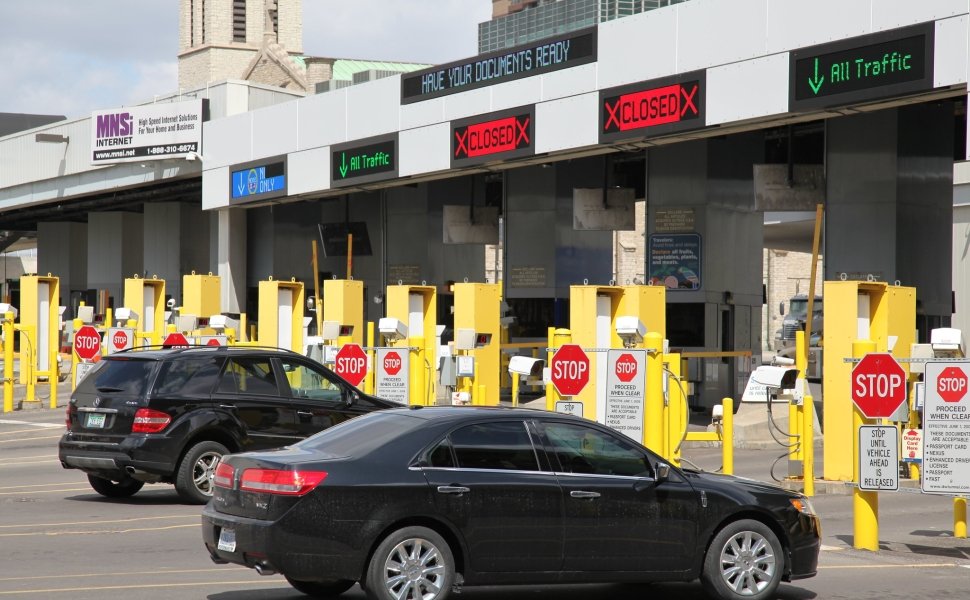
[[393, 375], [870, 67], [912, 445], [626, 392], [946, 428], [119, 338], [495, 136], [878, 458], [464, 366], [652, 108], [81, 371], [255, 181], [675, 261], [545, 56], [149, 132], [569, 408], [364, 161]]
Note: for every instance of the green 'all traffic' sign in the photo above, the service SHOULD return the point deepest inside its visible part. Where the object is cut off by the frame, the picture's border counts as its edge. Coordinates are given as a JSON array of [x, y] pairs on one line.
[[871, 67], [365, 161]]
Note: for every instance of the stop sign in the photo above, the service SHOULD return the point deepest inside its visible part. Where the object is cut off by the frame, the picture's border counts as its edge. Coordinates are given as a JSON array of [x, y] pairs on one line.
[[952, 384], [351, 363], [878, 385], [626, 368], [175, 340], [392, 363], [87, 343], [119, 339], [569, 370]]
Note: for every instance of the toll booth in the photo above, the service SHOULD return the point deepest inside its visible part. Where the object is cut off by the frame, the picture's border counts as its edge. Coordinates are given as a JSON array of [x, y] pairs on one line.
[[202, 295], [343, 303], [593, 314], [146, 297], [39, 327], [478, 335], [858, 310], [416, 306], [281, 314]]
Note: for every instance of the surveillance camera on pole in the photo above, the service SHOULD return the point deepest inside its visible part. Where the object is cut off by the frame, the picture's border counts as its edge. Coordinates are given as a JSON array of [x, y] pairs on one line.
[[392, 329], [631, 330]]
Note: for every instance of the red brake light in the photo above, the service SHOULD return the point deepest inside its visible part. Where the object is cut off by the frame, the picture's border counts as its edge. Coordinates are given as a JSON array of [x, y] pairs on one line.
[[150, 421], [224, 476], [284, 483]]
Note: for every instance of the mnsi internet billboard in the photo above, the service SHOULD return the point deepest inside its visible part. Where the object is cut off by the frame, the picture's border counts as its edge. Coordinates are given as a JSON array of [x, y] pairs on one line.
[[140, 133]]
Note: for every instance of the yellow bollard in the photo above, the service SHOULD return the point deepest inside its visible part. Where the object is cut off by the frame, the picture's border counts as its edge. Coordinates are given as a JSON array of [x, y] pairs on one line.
[[808, 437], [515, 389], [8, 334], [29, 368], [557, 339], [960, 518], [653, 430], [727, 440], [78, 323], [865, 505], [369, 379], [419, 392]]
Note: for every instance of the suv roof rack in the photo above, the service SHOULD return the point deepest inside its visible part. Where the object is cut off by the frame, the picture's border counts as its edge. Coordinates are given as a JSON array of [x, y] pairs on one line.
[[197, 347]]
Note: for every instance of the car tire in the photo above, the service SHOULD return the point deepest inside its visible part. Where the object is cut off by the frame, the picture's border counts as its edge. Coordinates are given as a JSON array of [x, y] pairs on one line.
[[193, 480], [433, 572], [745, 561], [321, 589], [123, 488]]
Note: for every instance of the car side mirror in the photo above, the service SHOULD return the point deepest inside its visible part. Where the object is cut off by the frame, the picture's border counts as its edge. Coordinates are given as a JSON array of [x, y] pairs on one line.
[[352, 396], [663, 472]]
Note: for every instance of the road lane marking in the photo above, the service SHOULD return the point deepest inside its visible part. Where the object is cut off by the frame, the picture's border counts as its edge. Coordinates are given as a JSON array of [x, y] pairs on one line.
[[37, 485], [29, 423], [74, 590], [97, 531], [76, 523], [887, 566], [13, 431], [119, 574], [45, 437], [82, 489], [31, 462]]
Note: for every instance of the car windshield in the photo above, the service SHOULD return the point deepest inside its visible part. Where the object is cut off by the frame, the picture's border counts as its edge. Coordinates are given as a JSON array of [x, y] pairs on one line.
[[363, 434]]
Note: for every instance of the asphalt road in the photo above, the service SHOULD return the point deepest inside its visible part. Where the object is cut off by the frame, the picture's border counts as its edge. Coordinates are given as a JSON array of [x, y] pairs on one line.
[[61, 540]]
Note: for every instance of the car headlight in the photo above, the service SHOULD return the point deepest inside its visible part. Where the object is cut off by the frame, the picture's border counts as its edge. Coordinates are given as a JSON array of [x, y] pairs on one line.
[[803, 505]]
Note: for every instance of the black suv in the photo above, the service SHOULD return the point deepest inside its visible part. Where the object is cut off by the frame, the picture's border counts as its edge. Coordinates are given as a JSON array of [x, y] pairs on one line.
[[150, 416]]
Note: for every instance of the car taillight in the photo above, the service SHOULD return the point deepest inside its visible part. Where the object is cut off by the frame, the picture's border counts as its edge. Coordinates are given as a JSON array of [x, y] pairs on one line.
[[224, 476], [150, 421], [67, 416], [284, 483]]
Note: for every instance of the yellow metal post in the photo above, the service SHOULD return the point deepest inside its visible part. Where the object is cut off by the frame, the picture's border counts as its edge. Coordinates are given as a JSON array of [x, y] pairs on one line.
[[796, 452], [201, 295], [369, 380], [478, 307], [727, 441], [344, 303], [28, 368], [557, 339], [808, 442], [515, 389], [147, 298], [417, 307], [960, 518], [78, 323], [865, 505], [272, 329], [653, 414], [676, 409], [8, 328], [418, 390]]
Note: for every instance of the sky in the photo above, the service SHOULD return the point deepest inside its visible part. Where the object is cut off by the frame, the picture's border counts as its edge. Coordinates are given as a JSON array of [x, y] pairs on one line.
[[70, 57]]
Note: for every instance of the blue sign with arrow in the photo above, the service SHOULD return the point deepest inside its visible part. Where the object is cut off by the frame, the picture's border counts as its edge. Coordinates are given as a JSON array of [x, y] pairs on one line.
[[259, 181]]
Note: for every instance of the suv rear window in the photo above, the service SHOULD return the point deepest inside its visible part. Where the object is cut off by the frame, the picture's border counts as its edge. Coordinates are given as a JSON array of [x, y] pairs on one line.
[[119, 375]]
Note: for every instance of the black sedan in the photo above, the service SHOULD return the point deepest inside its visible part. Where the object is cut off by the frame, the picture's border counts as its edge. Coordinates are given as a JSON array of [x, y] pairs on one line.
[[413, 503]]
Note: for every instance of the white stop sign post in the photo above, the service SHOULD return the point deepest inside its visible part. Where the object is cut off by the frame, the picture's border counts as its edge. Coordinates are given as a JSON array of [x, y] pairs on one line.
[[946, 429]]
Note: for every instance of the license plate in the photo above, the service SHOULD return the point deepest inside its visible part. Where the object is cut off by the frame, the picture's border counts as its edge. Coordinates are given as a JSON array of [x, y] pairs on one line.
[[95, 420], [227, 540]]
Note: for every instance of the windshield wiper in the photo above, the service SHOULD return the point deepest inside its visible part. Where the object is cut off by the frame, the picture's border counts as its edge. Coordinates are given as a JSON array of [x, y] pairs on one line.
[[107, 388]]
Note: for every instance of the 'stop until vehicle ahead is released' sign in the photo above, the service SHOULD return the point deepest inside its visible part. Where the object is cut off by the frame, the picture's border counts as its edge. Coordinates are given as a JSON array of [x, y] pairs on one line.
[[870, 67]]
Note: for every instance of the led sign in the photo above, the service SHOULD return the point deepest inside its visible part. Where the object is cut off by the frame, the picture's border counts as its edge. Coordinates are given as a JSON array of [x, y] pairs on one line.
[[652, 108], [870, 67], [543, 56], [258, 181], [506, 134], [364, 161]]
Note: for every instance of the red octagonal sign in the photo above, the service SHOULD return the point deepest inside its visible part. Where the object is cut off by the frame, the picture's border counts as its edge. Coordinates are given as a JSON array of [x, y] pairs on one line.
[[952, 384], [87, 343], [392, 363], [878, 385], [569, 370], [175, 340], [351, 363], [626, 368]]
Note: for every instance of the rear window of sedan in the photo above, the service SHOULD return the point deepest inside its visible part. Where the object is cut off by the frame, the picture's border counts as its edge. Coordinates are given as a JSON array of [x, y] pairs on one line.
[[362, 434], [119, 375]]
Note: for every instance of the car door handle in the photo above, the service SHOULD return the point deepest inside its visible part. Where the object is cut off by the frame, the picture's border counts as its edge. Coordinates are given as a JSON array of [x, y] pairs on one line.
[[228, 406], [453, 489], [304, 413], [584, 495]]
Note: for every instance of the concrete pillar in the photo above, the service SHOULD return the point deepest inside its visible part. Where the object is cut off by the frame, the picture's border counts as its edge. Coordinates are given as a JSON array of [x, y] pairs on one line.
[[62, 251], [889, 206], [176, 243], [115, 250], [231, 258]]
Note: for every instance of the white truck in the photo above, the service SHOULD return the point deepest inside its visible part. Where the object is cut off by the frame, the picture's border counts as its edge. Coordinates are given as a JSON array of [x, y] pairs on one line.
[[794, 320]]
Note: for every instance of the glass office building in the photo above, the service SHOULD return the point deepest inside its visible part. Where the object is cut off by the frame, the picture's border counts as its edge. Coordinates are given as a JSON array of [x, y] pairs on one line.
[[544, 18]]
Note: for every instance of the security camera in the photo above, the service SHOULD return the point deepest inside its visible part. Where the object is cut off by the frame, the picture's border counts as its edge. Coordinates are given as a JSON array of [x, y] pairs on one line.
[[630, 330], [526, 365], [392, 329], [218, 322], [717, 413], [947, 342], [170, 304], [777, 378], [125, 314]]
